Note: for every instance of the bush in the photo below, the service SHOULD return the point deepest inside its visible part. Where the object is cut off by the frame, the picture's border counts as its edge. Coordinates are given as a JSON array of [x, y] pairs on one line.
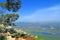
[[2, 37], [12, 31]]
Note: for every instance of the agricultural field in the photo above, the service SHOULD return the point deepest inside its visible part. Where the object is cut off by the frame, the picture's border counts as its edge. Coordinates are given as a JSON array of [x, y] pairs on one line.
[[43, 31]]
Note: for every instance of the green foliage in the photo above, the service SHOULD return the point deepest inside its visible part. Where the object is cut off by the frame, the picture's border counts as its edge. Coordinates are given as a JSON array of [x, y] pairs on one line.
[[2, 37], [11, 31], [9, 18], [1, 19], [17, 35], [12, 16], [11, 5], [3, 5]]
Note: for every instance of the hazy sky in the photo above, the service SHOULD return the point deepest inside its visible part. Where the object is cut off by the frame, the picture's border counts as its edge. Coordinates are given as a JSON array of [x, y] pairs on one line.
[[39, 10]]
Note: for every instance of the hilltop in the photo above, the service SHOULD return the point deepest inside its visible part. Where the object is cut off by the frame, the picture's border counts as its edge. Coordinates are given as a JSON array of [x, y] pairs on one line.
[[14, 33]]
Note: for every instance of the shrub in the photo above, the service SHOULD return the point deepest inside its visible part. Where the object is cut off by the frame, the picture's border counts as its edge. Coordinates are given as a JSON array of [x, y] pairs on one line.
[[2, 37]]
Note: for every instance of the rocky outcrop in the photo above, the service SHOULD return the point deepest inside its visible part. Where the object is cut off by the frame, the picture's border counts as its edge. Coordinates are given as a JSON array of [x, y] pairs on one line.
[[28, 38], [14, 33]]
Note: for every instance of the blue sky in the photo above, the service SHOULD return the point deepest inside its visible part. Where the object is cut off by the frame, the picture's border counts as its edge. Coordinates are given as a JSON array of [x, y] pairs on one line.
[[39, 10]]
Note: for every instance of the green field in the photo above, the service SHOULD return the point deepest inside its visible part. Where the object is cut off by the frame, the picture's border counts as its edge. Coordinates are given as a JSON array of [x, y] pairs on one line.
[[48, 37]]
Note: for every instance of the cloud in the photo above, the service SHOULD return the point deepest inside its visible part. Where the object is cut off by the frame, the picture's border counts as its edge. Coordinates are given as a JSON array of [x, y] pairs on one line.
[[43, 15]]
